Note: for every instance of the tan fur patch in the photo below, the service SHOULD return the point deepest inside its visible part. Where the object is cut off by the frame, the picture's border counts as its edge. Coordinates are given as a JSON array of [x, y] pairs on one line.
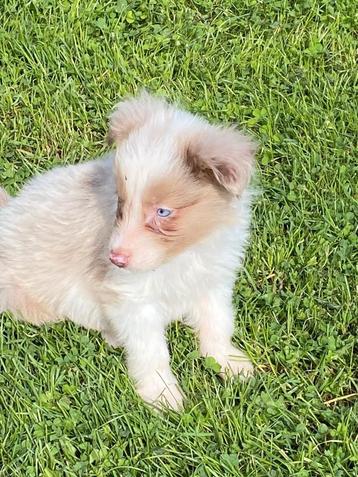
[[200, 208]]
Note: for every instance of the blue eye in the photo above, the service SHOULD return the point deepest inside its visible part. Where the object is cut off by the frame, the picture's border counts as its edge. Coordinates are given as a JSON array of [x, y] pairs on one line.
[[163, 212]]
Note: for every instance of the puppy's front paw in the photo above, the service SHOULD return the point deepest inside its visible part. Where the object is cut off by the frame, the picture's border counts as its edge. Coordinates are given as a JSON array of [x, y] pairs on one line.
[[162, 391], [232, 360]]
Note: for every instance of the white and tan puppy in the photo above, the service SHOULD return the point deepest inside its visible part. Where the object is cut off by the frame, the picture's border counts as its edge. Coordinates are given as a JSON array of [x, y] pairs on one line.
[[152, 232]]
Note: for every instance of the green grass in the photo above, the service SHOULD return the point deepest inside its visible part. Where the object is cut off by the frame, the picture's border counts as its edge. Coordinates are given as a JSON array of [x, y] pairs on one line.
[[285, 72]]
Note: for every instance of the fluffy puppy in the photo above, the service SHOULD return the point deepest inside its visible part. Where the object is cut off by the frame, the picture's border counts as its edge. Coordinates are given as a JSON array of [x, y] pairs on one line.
[[152, 232]]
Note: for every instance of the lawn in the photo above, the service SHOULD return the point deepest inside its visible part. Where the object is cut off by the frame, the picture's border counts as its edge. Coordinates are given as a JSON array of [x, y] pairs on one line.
[[283, 71]]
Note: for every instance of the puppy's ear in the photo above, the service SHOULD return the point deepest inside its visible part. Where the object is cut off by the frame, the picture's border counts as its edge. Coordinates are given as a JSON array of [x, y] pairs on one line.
[[224, 155], [131, 114]]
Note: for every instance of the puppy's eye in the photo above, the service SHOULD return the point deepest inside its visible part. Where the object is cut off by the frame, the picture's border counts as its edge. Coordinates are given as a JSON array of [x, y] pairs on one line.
[[163, 212]]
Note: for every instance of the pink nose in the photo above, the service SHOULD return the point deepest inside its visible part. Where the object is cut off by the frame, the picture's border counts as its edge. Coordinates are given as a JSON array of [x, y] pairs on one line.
[[119, 258]]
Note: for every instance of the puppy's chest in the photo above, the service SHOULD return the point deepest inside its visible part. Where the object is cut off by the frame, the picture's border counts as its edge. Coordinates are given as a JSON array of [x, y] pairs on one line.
[[173, 288]]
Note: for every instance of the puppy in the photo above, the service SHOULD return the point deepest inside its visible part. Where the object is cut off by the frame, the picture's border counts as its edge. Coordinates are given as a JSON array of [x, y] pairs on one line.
[[152, 232]]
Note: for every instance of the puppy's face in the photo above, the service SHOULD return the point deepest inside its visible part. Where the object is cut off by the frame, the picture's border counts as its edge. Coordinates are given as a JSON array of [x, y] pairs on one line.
[[167, 216], [176, 180]]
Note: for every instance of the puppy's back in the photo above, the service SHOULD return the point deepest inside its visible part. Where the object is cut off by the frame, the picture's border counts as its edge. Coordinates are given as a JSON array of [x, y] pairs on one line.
[[54, 235]]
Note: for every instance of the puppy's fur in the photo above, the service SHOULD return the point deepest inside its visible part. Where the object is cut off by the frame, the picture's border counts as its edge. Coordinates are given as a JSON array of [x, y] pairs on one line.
[[57, 238]]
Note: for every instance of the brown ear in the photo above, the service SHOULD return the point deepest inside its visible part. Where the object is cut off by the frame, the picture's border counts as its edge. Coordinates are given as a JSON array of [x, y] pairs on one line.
[[223, 154], [131, 114]]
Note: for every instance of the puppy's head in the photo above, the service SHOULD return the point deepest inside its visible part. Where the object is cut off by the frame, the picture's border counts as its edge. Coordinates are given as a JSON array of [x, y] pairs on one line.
[[177, 177]]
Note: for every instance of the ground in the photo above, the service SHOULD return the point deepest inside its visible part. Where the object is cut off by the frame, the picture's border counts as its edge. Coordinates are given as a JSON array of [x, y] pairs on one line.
[[283, 71]]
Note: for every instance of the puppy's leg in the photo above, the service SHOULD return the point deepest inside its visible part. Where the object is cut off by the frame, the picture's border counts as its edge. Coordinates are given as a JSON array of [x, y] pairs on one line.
[[26, 308], [22, 305], [141, 330], [213, 319]]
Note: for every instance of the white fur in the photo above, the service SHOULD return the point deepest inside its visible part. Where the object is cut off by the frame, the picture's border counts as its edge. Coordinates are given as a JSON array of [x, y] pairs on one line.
[[54, 242]]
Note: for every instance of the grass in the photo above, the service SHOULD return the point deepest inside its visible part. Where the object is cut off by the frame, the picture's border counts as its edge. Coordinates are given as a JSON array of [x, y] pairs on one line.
[[285, 72]]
